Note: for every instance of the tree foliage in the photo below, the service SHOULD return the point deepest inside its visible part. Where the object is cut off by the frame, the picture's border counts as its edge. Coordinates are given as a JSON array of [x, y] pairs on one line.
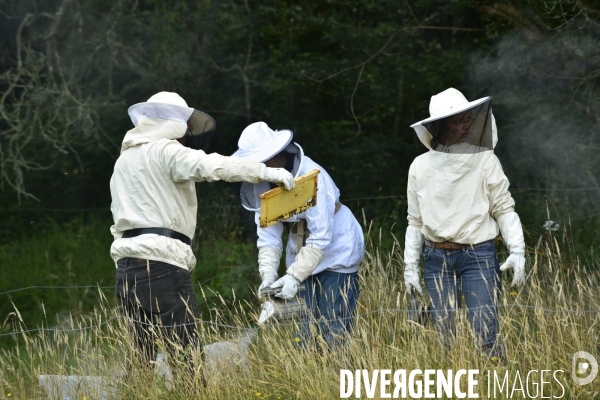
[[347, 77]]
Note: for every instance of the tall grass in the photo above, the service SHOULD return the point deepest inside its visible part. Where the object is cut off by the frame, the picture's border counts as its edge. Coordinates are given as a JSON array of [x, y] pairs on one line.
[[560, 291], [68, 254]]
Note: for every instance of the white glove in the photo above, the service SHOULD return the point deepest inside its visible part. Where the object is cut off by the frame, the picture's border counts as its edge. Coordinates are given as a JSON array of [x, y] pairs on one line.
[[512, 233], [413, 245], [279, 176], [307, 260], [288, 285], [268, 263], [411, 278]]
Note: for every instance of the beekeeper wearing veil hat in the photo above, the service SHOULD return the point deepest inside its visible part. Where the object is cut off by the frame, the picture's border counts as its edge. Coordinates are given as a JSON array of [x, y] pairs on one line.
[[154, 210], [458, 202], [326, 261]]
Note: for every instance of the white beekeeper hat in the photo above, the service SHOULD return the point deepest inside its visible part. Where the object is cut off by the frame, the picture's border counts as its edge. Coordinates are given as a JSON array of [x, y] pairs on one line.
[[169, 105], [260, 143], [445, 104]]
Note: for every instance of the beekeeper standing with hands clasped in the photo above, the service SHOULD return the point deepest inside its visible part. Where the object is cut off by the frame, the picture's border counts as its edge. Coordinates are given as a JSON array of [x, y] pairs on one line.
[[458, 202], [325, 246], [154, 210]]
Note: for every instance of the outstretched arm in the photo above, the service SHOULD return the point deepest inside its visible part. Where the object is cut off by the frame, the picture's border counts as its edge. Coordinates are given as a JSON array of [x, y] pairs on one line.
[[184, 164]]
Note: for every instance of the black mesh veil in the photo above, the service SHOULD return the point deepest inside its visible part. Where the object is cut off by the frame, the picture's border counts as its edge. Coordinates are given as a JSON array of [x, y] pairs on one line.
[[201, 127], [465, 132]]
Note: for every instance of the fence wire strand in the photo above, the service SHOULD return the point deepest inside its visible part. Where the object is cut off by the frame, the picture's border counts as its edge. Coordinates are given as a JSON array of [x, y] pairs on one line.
[[113, 287], [218, 324], [201, 206]]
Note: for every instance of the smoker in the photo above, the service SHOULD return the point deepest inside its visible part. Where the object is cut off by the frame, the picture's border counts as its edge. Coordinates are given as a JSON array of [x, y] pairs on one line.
[[275, 309]]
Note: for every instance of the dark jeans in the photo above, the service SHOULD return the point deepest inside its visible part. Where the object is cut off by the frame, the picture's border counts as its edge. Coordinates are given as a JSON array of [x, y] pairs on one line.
[[160, 302], [472, 274], [331, 299]]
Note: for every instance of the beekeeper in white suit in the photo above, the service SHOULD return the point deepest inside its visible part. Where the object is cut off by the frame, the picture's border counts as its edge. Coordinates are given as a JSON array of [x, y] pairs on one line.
[[327, 254], [154, 210], [458, 202]]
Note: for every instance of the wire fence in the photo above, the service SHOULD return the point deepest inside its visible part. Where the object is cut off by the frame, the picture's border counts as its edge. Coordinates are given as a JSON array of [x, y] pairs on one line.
[[588, 217], [238, 327], [353, 199], [275, 325], [113, 287]]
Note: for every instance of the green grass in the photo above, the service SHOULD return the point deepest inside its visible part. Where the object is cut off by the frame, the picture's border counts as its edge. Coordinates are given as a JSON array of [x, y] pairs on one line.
[[60, 255], [382, 339]]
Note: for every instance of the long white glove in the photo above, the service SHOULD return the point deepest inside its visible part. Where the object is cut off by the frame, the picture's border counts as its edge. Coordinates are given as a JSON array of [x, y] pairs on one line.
[[512, 233], [413, 244], [307, 260], [279, 176], [268, 263], [288, 285]]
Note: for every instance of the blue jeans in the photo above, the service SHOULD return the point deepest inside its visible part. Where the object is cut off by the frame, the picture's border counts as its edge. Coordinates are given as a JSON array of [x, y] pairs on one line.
[[331, 299], [472, 274]]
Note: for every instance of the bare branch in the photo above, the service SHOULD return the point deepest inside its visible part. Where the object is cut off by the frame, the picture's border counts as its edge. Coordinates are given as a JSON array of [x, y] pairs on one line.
[[244, 73], [352, 98], [382, 49], [412, 13], [25, 22], [43, 119], [509, 12]]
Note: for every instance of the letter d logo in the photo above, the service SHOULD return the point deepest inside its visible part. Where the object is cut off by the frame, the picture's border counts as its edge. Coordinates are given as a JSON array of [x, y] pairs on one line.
[[583, 367]]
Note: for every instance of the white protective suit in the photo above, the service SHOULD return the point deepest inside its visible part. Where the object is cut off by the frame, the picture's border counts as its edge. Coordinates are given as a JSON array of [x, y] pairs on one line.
[[461, 198], [338, 235], [457, 197], [154, 179]]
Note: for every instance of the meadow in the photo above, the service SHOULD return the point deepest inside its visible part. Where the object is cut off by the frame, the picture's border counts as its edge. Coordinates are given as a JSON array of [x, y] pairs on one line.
[[349, 79], [543, 324]]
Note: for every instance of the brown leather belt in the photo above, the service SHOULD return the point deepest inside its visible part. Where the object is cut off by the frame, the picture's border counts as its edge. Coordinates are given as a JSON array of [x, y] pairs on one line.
[[447, 245]]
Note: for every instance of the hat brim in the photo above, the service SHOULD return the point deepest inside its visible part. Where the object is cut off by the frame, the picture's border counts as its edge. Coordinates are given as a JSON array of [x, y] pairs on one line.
[[425, 136], [154, 110], [202, 122], [459, 109], [269, 150]]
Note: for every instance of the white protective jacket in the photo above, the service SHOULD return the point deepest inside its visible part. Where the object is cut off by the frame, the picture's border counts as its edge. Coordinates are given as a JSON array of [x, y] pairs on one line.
[[338, 235], [457, 197], [152, 186]]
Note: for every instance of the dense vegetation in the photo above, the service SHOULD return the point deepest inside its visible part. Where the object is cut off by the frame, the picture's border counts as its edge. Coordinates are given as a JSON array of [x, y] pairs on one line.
[[348, 77]]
